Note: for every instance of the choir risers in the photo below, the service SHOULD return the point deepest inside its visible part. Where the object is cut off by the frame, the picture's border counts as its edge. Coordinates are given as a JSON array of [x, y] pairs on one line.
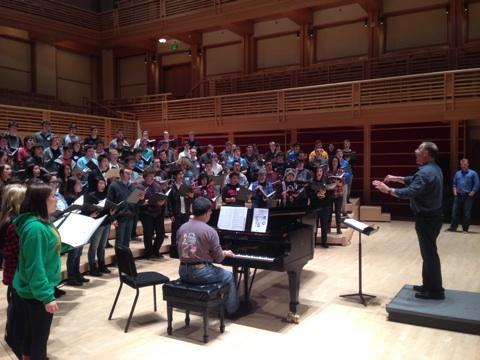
[[373, 213]]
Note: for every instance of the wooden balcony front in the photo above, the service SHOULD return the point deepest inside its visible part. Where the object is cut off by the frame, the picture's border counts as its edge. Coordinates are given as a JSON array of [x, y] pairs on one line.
[[413, 98]]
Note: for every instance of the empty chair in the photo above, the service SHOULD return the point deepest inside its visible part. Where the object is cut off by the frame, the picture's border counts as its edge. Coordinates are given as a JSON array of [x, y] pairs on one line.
[[128, 275]]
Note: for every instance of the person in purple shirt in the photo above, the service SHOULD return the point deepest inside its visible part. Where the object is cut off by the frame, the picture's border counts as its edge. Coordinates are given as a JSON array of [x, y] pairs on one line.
[[198, 248], [465, 185]]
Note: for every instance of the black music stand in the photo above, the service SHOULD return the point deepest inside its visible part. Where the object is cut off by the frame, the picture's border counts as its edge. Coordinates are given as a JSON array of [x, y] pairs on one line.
[[361, 228]]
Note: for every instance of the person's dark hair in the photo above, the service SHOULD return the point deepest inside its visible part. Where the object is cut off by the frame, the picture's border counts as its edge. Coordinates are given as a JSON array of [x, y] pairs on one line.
[[201, 206], [12, 124], [88, 147], [35, 201], [101, 157], [47, 177], [73, 126], [331, 161], [93, 183], [128, 159], [61, 171], [148, 171], [431, 148], [201, 177], [232, 174], [26, 138], [45, 122], [70, 187]]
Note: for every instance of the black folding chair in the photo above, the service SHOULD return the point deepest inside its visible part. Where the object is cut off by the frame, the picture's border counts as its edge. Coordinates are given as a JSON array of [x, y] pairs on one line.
[[128, 275]]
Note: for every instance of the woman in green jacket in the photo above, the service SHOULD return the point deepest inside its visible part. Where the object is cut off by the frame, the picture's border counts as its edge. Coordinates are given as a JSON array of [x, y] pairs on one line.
[[38, 270]]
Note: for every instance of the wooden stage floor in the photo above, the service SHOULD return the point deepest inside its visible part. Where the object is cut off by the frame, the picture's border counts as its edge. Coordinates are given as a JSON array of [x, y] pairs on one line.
[[330, 327]]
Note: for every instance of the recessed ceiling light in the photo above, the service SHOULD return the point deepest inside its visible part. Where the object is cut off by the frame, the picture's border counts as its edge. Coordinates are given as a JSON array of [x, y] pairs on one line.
[[162, 40]]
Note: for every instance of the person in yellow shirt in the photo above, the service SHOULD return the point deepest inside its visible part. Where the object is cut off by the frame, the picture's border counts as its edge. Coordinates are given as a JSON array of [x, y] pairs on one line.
[[323, 153]]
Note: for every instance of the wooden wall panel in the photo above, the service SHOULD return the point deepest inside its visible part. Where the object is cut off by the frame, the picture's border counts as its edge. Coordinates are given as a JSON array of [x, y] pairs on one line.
[[341, 41], [74, 77], [473, 21], [132, 76], [262, 138], [393, 149], [15, 65], [72, 66], [73, 92], [219, 37], [46, 69], [175, 59], [271, 52], [338, 14], [418, 29], [224, 59]]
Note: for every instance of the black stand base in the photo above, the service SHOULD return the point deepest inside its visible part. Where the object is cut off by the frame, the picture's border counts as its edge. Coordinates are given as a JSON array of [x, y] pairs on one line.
[[362, 298]]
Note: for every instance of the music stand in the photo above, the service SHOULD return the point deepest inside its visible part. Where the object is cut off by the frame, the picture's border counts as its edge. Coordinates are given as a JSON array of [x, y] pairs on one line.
[[361, 228]]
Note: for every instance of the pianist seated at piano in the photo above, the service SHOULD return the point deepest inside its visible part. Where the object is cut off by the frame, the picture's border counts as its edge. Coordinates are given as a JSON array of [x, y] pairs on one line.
[[261, 189], [230, 191], [199, 247], [292, 192]]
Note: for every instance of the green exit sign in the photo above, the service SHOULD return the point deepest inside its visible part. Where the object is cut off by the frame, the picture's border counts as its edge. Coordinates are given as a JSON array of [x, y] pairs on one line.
[[174, 46]]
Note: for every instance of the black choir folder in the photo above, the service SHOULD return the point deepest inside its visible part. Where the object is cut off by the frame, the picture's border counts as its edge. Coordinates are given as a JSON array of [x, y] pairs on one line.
[[359, 226]]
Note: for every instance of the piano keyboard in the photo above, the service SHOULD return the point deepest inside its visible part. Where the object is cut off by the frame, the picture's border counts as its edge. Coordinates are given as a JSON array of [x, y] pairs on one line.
[[254, 257]]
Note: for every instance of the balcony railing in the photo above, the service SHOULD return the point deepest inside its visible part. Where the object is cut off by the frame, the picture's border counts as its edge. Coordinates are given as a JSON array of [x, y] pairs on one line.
[[29, 119], [332, 72], [447, 88]]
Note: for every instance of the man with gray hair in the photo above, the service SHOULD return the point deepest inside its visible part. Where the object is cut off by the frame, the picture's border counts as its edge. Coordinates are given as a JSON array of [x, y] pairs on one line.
[[425, 191], [198, 248]]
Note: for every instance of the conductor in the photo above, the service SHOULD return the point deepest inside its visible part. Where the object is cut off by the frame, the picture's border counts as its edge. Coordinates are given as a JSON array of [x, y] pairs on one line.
[[425, 191]]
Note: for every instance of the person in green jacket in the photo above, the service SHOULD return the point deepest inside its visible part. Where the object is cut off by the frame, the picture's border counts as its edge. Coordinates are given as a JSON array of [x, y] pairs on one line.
[[39, 267]]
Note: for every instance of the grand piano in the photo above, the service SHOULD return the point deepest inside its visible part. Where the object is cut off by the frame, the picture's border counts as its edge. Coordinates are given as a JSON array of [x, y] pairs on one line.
[[286, 246]]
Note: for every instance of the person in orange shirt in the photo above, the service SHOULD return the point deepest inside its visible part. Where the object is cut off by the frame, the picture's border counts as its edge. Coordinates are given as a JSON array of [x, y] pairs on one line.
[[323, 153]]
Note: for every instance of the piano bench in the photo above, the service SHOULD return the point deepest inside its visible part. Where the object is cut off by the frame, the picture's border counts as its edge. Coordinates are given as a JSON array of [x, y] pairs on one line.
[[195, 298]]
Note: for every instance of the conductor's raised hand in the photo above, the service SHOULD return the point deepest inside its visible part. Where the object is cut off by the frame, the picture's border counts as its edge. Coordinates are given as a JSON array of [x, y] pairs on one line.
[[380, 186], [390, 179]]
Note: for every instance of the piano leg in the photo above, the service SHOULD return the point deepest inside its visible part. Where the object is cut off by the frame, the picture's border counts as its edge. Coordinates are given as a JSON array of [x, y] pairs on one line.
[[246, 284], [294, 285]]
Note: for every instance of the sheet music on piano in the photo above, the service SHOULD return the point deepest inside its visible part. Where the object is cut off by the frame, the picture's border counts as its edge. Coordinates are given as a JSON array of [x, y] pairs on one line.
[[260, 220], [232, 218]]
